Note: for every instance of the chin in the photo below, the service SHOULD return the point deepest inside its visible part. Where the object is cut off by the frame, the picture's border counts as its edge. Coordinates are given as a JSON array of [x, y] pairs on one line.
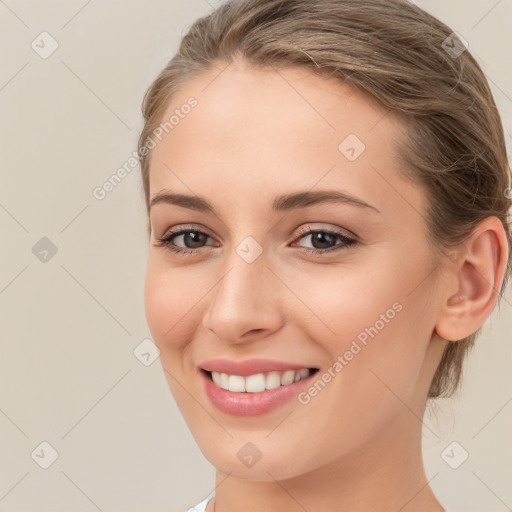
[[259, 461]]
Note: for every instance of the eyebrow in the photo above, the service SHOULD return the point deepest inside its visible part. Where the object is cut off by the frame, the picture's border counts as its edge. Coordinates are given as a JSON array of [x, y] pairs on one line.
[[281, 203]]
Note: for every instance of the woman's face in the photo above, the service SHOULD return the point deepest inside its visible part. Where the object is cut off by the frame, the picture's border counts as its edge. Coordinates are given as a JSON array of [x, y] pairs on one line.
[[247, 285]]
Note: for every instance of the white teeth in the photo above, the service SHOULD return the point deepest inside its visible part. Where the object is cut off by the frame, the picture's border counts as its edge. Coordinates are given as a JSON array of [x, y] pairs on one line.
[[236, 383], [258, 382], [255, 383], [287, 377], [224, 380], [216, 376], [304, 373], [273, 380]]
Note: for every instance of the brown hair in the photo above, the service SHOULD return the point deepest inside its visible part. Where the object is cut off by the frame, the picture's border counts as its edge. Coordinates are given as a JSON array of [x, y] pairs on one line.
[[398, 54]]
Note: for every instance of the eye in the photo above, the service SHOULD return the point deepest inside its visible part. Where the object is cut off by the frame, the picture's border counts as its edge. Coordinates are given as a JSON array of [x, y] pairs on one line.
[[193, 240], [324, 241]]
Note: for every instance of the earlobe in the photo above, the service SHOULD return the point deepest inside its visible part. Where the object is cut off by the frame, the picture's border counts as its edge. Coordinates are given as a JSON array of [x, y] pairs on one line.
[[480, 272]]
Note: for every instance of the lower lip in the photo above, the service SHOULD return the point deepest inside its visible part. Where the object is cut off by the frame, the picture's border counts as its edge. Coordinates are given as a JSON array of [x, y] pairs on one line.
[[250, 404]]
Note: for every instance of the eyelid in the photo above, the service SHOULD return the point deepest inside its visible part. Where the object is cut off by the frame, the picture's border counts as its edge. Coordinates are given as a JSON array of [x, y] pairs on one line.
[[301, 232], [178, 229], [338, 230], [308, 230]]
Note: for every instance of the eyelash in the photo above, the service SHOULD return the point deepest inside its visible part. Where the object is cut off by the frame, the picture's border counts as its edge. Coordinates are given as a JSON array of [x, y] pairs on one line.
[[165, 241]]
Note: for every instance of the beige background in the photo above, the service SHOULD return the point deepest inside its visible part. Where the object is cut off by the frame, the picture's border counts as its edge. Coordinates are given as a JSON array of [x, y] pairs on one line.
[[69, 326]]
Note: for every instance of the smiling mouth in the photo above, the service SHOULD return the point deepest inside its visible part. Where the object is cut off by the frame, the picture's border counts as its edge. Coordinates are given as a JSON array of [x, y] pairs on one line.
[[258, 382]]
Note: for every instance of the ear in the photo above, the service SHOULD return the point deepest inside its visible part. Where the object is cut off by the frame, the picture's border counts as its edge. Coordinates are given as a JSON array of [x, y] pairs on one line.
[[479, 272]]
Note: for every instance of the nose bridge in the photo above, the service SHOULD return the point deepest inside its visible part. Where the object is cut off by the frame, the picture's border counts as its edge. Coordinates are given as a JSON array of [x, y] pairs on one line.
[[243, 299]]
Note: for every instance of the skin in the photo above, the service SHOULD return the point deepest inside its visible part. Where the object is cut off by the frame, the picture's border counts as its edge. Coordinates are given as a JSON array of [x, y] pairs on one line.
[[356, 445]]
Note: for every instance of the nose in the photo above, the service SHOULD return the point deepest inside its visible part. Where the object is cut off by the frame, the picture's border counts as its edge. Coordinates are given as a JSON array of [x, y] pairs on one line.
[[245, 302]]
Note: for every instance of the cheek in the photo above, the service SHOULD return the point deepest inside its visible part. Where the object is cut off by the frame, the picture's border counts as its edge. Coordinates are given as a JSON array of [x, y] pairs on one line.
[[372, 325], [169, 300], [345, 302]]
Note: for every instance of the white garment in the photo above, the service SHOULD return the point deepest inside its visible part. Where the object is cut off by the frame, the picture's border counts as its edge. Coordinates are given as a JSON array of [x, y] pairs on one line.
[[201, 507]]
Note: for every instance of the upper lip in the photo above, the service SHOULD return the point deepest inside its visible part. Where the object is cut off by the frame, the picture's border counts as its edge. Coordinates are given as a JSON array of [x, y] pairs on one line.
[[249, 366]]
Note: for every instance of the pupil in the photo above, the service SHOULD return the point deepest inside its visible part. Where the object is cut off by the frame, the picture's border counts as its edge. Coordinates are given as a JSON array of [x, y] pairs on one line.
[[321, 237], [194, 237]]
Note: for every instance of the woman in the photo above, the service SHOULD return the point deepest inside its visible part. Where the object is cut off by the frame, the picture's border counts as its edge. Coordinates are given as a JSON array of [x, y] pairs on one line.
[[327, 191]]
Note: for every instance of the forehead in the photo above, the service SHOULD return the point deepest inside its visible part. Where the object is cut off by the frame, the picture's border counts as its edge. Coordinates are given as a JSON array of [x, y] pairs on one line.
[[273, 131]]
